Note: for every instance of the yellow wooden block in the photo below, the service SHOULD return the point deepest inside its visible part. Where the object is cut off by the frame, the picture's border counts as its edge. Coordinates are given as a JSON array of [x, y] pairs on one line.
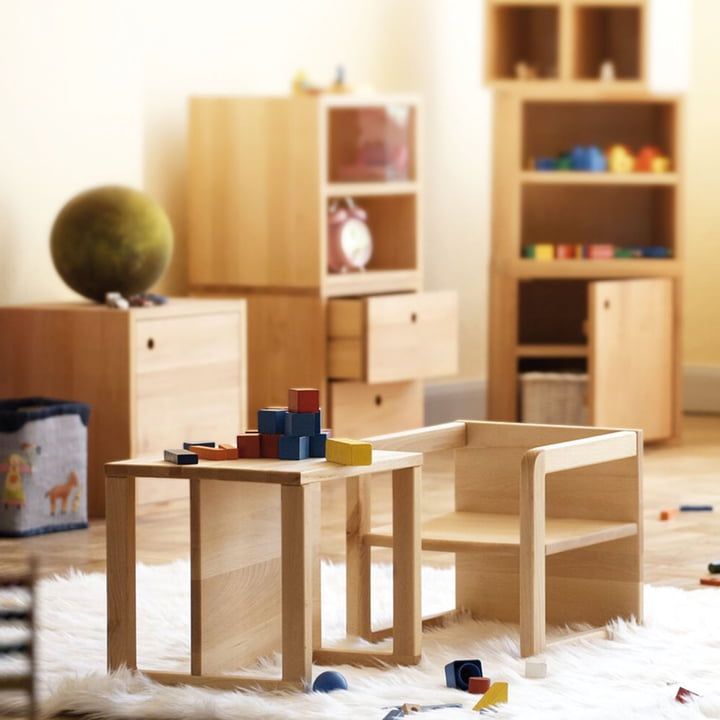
[[544, 251], [497, 694], [348, 452]]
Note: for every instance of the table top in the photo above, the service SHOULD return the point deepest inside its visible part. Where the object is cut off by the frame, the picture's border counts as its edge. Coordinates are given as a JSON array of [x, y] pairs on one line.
[[265, 470]]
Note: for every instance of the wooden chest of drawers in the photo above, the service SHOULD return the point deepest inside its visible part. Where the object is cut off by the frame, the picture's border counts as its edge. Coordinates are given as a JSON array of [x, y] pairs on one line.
[[154, 377]]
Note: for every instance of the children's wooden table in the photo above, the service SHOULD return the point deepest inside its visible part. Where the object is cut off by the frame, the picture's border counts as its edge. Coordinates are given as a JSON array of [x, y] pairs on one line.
[[255, 567]]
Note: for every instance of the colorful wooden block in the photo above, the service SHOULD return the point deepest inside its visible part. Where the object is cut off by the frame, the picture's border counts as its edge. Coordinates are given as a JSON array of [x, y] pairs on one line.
[[271, 420], [479, 685], [497, 694], [710, 581], [303, 400], [619, 159], [214, 453], [232, 451], [535, 668], [348, 452], [684, 695], [269, 445], [317, 445], [564, 251], [248, 445], [600, 251], [644, 158], [459, 672], [181, 457], [293, 447], [302, 424], [208, 443]]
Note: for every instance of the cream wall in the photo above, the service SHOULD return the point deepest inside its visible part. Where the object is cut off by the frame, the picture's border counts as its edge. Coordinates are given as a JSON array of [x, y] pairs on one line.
[[702, 279], [97, 91], [94, 91]]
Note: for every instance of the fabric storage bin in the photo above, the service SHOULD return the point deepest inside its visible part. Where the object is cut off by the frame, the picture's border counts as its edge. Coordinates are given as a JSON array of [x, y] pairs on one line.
[[554, 398], [43, 466]]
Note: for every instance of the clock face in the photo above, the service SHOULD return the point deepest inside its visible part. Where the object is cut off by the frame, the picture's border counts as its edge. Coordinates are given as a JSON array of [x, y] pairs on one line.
[[356, 242]]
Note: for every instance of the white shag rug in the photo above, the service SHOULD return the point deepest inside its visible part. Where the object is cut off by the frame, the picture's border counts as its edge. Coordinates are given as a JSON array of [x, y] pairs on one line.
[[634, 675]]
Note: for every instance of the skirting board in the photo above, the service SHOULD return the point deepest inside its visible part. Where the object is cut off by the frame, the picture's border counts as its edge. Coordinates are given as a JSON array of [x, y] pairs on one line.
[[461, 400], [466, 399], [701, 388]]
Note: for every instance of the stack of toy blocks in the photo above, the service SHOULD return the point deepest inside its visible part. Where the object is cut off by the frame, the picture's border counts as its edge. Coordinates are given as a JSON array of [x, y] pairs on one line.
[[289, 433]]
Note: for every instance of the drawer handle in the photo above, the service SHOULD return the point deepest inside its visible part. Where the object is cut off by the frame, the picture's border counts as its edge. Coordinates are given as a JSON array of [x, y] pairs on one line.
[[378, 400], [413, 318], [150, 344]]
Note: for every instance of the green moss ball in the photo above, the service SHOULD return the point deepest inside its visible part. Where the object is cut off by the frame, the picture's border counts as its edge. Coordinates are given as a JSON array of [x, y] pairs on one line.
[[111, 239]]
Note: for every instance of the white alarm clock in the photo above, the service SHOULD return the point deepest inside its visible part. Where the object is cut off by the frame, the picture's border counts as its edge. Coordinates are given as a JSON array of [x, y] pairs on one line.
[[349, 240]]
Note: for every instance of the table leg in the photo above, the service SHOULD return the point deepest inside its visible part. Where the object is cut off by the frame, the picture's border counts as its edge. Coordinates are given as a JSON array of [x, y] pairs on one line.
[[120, 549], [407, 618], [359, 617], [297, 581]]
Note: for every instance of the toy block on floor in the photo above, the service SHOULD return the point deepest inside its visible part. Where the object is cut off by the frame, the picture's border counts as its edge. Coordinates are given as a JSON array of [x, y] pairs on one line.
[[214, 453], [298, 424], [535, 668], [293, 447], [459, 672], [685, 696], [479, 685], [497, 694], [181, 457], [248, 445], [271, 420], [348, 452], [303, 400]]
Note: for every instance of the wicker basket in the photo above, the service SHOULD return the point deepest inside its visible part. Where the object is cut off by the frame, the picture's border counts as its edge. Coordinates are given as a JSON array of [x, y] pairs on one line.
[[555, 398]]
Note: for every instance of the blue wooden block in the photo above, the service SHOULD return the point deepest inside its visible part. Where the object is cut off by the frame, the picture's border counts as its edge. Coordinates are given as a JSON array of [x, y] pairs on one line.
[[317, 445], [271, 421], [545, 163], [208, 443], [181, 457], [597, 162], [579, 158], [459, 672], [293, 447], [299, 424]]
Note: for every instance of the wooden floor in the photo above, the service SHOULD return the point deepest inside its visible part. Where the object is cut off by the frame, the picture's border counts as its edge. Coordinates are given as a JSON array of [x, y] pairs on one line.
[[677, 552]]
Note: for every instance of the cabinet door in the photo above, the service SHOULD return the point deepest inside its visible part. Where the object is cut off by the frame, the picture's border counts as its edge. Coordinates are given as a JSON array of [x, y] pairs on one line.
[[189, 383], [631, 334]]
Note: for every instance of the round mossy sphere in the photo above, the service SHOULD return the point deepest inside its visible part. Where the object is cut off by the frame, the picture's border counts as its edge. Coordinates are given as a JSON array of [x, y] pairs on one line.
[[111, 239], [328, 681]]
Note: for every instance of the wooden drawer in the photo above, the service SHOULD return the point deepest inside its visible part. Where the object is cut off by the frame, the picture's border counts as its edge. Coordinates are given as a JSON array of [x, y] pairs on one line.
[[361, 410], [388, 338]]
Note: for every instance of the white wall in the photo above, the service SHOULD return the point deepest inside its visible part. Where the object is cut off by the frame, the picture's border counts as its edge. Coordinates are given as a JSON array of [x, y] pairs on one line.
[[95, 91]]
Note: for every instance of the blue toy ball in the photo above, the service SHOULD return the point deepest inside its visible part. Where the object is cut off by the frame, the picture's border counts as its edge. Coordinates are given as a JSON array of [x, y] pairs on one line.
[[328, 681]]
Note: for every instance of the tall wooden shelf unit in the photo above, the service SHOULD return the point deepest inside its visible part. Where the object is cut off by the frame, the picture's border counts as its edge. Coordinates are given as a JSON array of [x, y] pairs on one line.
[[263, 172], [616, 319]]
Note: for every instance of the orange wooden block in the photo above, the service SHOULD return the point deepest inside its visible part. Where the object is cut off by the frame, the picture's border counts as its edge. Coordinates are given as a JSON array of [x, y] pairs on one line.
[[232, 451], [214, 453], [710, 581], [479, 685]]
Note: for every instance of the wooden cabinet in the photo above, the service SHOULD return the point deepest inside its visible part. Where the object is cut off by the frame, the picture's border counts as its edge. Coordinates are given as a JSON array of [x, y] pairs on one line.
[[263, 175], [586, 264], [154, 377], [598, 43]]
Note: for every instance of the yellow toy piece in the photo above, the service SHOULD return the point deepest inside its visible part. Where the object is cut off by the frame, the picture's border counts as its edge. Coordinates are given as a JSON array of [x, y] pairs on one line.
[[497, 694], [348, 452]]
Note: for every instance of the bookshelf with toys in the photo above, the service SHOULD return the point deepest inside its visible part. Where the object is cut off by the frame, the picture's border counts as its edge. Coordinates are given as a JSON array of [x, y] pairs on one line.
[[309, 207], [587, 239]]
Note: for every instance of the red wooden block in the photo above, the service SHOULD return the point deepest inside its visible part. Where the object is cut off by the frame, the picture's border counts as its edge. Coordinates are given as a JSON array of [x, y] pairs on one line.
[[303, 400], [269, 445], [479, 685], [248, 445], [685, 696], [710, 581]]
